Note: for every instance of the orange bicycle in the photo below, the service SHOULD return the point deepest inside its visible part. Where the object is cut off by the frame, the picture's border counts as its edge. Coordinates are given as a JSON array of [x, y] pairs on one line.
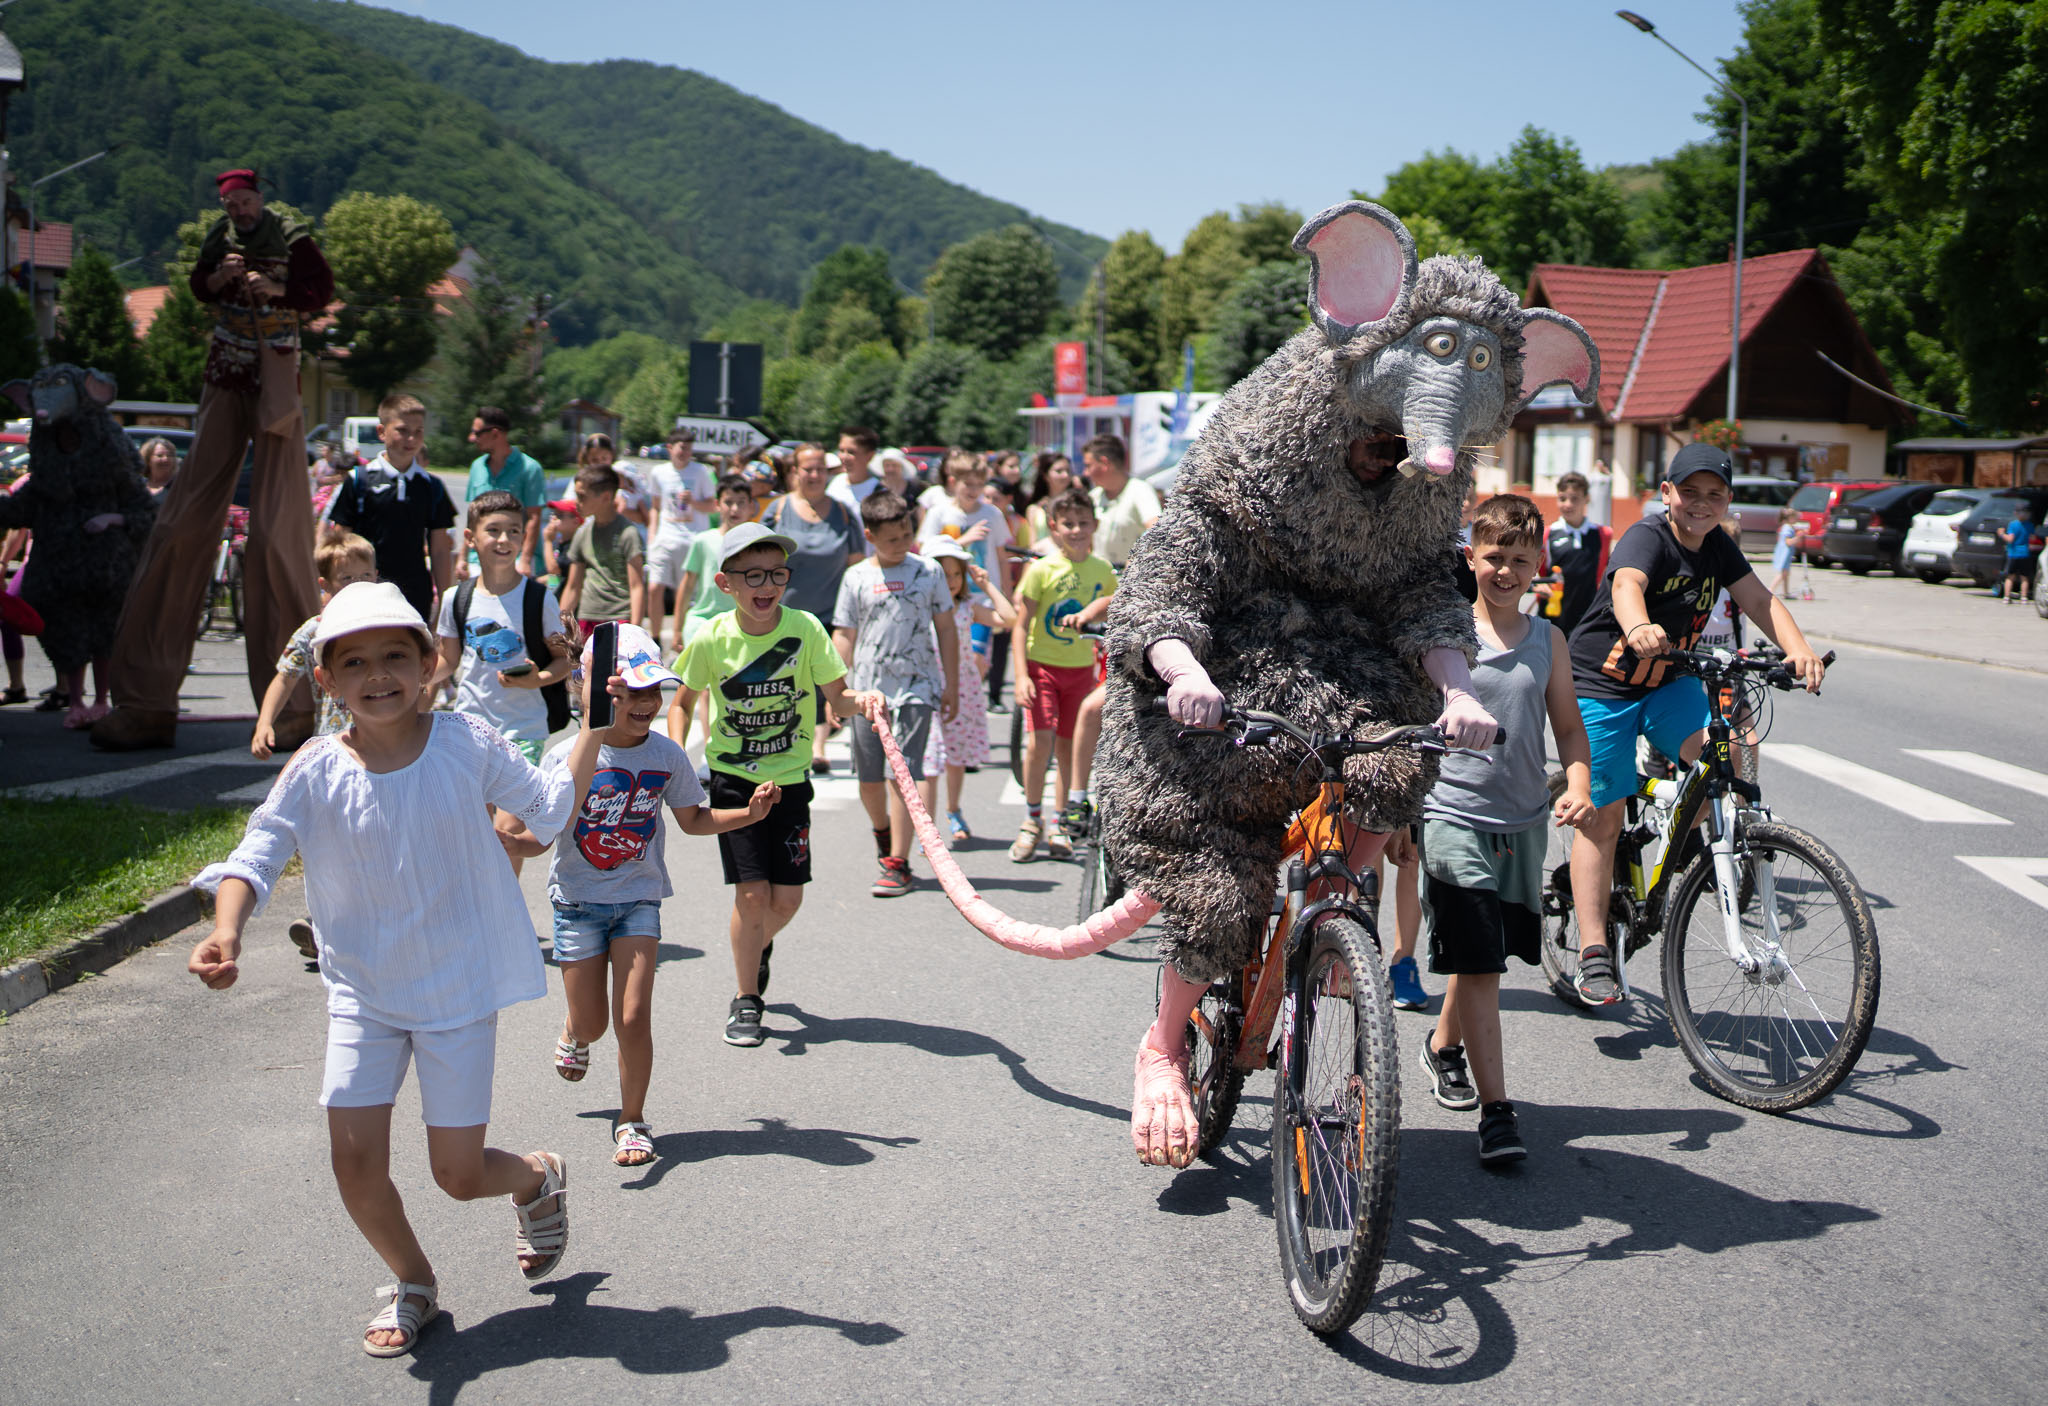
[[1316, 994]]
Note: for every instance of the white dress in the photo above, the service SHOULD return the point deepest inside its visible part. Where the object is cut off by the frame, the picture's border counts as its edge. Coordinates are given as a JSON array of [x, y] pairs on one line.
[[421, 923]]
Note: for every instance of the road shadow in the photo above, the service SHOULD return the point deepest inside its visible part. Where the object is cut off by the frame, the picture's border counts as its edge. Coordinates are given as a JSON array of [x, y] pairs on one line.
[[650, 1342], [985, 881], [942, 1040]]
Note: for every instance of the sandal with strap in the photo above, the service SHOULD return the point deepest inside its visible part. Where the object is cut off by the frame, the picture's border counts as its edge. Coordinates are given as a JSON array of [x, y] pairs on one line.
[[633, 1137], [402, 1315], [572, 1059], [546, 1234]]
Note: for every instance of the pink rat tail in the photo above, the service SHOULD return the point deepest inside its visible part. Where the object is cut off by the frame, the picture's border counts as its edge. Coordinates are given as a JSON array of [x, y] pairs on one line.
[[1111, 925]]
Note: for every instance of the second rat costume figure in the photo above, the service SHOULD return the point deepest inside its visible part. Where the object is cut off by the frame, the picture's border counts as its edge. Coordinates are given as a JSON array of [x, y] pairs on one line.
[[1302, 567]]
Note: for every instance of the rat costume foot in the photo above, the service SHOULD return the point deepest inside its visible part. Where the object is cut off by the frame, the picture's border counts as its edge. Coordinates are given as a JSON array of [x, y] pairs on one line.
[[1162, 1118], [132, 729]]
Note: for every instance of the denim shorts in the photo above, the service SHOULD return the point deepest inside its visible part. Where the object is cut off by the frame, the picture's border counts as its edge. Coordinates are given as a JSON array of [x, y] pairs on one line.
[[586, 930], [1667, 717]]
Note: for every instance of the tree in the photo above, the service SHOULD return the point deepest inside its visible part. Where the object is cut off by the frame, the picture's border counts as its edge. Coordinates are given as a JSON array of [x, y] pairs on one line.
[[648, 403], [487, 358], [386, 252], [1211, 258], [758, 321], [994, 292], [1133, 271], [1950, 106], [782, 386], [1432, 238], [1265, 233], [863, 384], [929, 377], [1263, 309], [982, 412], [1891, 279], [174, 347], [601, 370], [92, 322], [1446, 187], [1548, 208], [851, 270], [851, 324], [18, 350]]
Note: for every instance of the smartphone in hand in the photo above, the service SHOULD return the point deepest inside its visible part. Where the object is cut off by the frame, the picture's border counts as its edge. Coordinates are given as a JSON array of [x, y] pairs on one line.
[[604, 657]]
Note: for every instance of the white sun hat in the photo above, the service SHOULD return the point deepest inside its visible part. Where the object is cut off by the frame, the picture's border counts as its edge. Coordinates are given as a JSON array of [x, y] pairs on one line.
[[369, 605]]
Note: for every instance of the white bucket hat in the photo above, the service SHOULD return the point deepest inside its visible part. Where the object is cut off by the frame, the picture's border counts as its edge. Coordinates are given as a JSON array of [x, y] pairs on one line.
[[369, 605]]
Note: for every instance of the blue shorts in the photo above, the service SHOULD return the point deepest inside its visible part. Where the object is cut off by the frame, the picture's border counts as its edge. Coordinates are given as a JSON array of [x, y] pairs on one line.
[[586, 930], [1667, 717]]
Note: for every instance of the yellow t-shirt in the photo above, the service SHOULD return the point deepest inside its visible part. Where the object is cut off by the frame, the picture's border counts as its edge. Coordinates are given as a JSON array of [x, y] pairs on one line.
[[761, 690], [1059, 588]]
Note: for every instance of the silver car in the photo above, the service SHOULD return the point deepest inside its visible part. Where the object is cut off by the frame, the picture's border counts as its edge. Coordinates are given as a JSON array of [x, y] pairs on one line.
[[1930, 545]]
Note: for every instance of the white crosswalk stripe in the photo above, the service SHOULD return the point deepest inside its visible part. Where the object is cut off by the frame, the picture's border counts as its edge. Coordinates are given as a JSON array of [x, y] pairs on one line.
[[2022, 876], [1990, 768], [1871, 784]]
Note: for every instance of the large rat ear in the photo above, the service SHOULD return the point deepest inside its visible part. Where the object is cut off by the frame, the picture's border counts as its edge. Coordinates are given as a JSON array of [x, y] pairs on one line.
[[20, 393], [1361, 264], [101, 387], [1556, 349]]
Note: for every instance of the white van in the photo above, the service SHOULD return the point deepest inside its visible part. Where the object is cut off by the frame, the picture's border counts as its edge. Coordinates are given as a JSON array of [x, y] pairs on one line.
[[360, 437]]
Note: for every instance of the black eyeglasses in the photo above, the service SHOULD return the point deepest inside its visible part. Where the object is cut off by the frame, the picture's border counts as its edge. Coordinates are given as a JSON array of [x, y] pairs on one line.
[[763, 576]]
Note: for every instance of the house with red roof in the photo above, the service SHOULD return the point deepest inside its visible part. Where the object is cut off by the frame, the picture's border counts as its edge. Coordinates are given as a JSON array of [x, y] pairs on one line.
[[1813, 395]]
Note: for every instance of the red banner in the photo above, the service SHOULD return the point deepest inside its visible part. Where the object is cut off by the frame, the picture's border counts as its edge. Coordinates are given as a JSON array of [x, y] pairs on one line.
[[1070, 368]]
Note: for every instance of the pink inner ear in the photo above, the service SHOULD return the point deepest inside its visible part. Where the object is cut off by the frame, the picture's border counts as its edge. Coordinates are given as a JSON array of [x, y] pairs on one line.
[[1359, 266], [101, 388], [1551, 353], [18, 392]]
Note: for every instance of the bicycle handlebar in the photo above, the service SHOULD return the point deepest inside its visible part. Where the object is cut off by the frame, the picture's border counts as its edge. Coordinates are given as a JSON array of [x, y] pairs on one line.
[[1424, 737], [1721, 663]]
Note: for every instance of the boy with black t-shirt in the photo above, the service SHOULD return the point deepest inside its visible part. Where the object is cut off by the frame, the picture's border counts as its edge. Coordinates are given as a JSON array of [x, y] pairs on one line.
[[1662, 580], [1576, 550], [400, 508]]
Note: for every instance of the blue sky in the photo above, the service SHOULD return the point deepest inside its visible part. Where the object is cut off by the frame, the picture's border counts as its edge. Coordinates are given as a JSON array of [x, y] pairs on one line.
[[1119, 114]]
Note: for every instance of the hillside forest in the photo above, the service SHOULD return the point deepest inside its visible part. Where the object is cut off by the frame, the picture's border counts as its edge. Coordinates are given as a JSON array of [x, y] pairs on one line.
[[1897, 137]]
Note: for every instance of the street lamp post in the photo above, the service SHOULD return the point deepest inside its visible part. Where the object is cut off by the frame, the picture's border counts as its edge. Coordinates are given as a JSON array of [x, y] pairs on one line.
[[1741, 202], [35, 236]]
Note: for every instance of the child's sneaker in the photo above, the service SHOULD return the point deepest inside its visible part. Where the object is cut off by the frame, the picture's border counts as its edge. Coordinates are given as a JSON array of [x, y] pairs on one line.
[[1447, 1077], [301, 934], [894, 880], [956, 826], [1057, 844], [1408, 992], [1500, 1141], [1075, 816], [1026, 843], [743, 1021]]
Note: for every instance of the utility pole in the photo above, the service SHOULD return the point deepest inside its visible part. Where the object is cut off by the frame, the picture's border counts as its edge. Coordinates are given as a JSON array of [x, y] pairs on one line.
[[1101, 325]]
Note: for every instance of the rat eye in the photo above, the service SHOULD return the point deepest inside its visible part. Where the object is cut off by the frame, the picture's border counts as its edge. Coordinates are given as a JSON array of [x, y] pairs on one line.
[[1481, 358], [1441, 344]]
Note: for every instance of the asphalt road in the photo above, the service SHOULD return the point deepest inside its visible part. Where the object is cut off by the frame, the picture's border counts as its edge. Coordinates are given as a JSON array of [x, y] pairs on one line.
[[921, 1187]]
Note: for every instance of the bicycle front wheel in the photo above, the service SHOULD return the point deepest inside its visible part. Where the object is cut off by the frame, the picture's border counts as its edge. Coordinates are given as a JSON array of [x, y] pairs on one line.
[[1089, 852], [1336, 1129], [1783, 1035]]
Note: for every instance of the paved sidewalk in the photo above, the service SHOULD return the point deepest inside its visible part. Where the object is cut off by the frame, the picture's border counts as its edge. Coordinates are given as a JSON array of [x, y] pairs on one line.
[[1954, 620]]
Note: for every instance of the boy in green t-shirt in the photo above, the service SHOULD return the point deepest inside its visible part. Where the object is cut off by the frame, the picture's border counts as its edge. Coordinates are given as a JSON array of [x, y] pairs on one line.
[[760, 665], [606, 558], [1055, 668]]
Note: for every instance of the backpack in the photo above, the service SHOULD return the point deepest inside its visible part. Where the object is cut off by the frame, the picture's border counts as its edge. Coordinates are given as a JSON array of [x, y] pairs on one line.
[[534, 631]]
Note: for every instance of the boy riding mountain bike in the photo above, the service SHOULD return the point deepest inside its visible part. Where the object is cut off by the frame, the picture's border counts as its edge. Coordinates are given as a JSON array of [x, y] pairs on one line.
[[1662, 580]]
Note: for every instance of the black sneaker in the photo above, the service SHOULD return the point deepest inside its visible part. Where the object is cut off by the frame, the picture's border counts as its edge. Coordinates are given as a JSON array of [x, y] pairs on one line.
[[1500, 1141], [1076, 817], [1447, 1076], [1595, 982], [743, 1022], [766, 953]]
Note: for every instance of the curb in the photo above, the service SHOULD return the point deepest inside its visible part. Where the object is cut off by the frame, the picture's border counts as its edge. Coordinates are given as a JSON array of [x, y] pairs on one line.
[[27, 982], [1893, 647]]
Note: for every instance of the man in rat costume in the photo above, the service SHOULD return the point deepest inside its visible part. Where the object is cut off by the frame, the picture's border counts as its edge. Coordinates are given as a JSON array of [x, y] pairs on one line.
[[261, 274], [1302, 566]]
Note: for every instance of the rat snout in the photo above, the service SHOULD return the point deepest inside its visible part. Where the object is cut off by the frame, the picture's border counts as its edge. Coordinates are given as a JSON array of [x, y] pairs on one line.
[[55, 402], [1440, 458]]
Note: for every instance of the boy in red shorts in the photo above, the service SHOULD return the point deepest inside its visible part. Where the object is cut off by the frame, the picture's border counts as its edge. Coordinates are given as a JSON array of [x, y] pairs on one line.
[[1055, 668]]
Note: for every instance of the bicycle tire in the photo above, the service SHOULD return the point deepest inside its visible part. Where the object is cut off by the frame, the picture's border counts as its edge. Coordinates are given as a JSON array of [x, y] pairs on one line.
[[1333, 1198], [1765, 1053], [1214, 1080], [1017, 743], [1089, 852], [235, 591]]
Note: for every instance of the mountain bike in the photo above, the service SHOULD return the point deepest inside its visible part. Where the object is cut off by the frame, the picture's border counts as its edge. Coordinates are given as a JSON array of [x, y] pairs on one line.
[[1770, 963], [1315, 994], [221, 607]]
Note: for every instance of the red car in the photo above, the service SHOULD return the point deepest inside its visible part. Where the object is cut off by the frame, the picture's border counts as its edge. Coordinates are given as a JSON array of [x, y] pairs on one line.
[[1816, 503]]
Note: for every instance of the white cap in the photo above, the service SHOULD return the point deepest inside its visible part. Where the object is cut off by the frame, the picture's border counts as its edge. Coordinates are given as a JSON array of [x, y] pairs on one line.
[[637, 659], [369, 605], [940, 547]]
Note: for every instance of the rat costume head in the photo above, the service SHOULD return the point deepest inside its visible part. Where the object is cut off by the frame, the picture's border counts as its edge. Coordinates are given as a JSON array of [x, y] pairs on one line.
[[1304, 561]]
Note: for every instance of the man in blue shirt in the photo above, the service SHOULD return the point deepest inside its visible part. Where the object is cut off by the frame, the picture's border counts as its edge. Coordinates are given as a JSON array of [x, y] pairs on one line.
[[500, 466]]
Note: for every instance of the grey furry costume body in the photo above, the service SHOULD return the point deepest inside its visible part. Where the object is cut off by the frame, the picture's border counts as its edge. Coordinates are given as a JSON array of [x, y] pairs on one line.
[[80, 466], [1303, 590]]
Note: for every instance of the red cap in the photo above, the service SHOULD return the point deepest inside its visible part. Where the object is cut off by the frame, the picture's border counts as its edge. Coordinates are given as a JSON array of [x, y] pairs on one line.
[[235, 180], [565, 506]]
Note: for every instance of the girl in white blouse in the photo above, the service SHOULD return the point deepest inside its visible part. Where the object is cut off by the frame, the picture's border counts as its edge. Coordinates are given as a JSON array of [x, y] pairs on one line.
[[423, 933]]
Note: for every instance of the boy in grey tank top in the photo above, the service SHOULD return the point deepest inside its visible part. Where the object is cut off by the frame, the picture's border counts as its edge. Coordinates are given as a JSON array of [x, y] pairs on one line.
[[1485, 825]]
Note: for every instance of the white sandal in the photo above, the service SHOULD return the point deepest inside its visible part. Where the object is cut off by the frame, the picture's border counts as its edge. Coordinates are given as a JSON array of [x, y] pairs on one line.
[[572, 1059], [633, 1137], [545, 1235], [402, 1315]]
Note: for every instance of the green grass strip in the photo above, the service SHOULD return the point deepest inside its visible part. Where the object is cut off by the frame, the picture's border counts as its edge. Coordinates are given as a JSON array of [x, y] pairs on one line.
[[74, 865]]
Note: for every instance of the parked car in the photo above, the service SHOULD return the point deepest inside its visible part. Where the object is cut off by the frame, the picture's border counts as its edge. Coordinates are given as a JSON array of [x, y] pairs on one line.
[[1871, 531], [1979, 554], [1816, 504], [1931, 539], [1758, 501]]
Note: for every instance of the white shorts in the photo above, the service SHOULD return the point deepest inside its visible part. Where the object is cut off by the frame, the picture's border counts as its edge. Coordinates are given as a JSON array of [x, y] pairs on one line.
[[366, 1062], [665, 560]]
